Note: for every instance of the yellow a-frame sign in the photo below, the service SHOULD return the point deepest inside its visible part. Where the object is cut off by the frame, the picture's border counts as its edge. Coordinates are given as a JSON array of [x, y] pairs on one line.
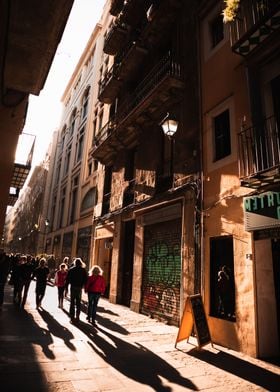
[[194, 315]]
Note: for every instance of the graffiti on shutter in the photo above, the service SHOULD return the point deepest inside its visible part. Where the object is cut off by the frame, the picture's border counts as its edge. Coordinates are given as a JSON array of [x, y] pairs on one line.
[[162, 271]]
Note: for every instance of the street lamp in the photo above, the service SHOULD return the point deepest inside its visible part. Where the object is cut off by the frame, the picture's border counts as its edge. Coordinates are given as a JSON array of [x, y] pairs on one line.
[[169, 126], [47, 223]]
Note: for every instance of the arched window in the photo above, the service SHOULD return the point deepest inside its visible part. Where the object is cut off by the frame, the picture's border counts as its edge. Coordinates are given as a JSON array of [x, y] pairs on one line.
[[89, 200]]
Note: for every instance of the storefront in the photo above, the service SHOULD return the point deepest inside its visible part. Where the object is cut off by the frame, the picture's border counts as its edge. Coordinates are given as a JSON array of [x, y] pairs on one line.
[[262, 218]]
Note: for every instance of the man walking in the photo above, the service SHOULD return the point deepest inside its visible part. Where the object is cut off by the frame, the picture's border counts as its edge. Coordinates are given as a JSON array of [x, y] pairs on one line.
[[76, 278]]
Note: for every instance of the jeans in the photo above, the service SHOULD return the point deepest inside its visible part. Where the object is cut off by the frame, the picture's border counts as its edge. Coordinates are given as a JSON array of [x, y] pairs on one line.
[[75, 301], [93, 299]]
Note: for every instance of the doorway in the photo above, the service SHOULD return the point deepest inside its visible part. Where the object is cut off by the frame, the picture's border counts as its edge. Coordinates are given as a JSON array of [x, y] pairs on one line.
[[276, 273], [127, 262]]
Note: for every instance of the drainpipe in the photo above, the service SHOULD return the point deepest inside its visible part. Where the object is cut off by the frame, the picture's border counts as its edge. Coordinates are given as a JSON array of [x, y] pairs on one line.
[[201, 196]]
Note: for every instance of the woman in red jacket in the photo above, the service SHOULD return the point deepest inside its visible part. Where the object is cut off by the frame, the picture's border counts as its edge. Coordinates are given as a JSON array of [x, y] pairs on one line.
[[95, 287], [60, 282]]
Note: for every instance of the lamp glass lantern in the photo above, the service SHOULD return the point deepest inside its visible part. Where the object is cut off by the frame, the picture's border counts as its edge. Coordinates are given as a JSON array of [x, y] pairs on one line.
[[169, 126]]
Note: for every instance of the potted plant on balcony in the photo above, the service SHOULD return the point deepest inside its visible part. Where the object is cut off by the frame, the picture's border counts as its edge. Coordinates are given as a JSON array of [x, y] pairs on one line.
[[230, 10]]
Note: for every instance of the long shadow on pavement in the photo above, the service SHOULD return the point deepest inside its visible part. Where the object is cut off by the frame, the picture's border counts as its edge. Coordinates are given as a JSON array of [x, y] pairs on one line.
[[19, 364], [56, 329], [134, 361], [105, 322], [248, 371]]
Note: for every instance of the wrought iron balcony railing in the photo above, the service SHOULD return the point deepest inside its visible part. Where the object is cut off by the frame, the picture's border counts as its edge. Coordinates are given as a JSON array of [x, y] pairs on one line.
[[167, 66], [147, 104], [259, 153], [255, 21]]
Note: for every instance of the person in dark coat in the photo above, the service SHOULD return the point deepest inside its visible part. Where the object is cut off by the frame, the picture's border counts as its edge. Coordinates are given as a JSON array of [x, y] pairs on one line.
[[26, 272], [41, 273], [5, 266], [15, 279], [76, 278]]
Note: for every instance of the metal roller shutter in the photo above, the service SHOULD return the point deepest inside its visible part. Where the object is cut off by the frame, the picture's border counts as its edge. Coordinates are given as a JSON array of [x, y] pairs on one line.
[[162, 271]]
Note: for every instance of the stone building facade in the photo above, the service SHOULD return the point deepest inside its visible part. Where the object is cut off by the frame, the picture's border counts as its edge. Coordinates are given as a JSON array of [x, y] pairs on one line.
[[170, 211]]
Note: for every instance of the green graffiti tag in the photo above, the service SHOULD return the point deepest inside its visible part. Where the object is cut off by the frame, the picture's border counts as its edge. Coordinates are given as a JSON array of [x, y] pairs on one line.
[[163, 264]]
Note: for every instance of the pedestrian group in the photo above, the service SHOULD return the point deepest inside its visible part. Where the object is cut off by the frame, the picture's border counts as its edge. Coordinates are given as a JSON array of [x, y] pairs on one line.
[[19, 270]]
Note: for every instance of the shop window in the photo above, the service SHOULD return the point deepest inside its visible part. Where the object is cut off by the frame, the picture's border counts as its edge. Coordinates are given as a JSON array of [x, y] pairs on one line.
[[222, 288]]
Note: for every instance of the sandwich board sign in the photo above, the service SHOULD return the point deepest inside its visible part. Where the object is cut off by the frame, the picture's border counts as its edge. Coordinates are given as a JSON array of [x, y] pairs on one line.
[[194, 316]]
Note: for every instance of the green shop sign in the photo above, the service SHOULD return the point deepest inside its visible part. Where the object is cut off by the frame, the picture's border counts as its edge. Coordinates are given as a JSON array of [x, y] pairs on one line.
[[266, 204]]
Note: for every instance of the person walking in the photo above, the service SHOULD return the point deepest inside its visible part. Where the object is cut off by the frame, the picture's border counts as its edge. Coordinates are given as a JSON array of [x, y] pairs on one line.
[[15, 279], [95, 287], [76, 278], [26, 271], [5, 266], [41, 273], [60, 282]]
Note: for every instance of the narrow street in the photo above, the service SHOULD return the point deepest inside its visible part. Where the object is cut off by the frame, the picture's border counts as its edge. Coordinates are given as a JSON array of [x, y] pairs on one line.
[[40, 350]]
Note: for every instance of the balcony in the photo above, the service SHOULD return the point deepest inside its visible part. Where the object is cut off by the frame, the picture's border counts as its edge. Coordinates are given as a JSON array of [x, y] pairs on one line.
[[115, 37], [116, 7], [109, 86], [259, 154], [160, 20], [145, 106], [125, 67], [22, 165], [256, 21], [134, 11]]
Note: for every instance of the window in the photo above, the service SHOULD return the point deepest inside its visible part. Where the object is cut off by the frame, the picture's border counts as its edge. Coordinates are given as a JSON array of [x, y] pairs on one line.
[[94, 126], [89, 169], [215, 33], [217, 30], [72, 122], [92, 166], [80, 145], [74, 196], [89, 200], [62, 140], [67, 161], [53, 210], [222, 288], [62, 205], [107, 189], [221, 127], [85, 104], [57, 174], [100, 120]]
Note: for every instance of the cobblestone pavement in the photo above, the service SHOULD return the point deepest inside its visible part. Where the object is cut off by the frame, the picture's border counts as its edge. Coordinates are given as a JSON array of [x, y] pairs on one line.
[[40, 350]]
